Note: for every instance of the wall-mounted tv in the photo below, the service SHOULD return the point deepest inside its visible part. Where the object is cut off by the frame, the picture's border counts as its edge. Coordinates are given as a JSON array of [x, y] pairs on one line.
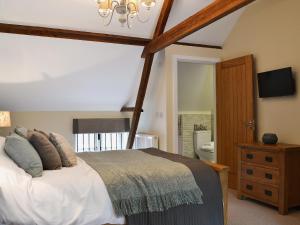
[[276, 83]]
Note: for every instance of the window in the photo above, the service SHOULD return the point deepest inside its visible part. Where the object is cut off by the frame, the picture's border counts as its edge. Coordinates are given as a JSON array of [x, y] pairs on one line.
[[92, 135], [94, 142]]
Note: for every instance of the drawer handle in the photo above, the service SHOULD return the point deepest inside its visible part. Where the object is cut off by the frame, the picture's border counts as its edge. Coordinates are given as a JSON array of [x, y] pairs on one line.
[[249, 187], [268, 193], [269, 176], [249, 156], [269, 159], [249, 171]]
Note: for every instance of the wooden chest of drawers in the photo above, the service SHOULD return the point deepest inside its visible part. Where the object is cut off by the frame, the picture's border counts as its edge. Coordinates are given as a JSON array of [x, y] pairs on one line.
[[270, 174]]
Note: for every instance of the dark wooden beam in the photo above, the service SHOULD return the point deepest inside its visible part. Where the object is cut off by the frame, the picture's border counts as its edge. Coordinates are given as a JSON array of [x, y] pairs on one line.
[[160, 27], [213, 12], [140, 99], [198, 45], [71, 34], [163, 18], [81, 35], [128, 109]]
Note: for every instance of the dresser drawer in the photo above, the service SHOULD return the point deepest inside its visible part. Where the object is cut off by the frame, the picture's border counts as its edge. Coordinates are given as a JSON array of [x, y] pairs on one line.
[[259, 191], [260, 157], [260, 174]]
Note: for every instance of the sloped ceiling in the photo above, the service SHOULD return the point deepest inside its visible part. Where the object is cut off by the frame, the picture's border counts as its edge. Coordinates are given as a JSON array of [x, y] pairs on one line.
[[45, 74]]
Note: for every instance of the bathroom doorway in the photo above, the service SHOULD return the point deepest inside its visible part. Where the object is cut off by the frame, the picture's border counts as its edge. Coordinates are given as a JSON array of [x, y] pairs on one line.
[[195, 108]]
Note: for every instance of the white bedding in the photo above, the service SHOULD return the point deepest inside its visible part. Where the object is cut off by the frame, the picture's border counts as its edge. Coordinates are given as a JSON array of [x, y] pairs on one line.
[[74, 195]]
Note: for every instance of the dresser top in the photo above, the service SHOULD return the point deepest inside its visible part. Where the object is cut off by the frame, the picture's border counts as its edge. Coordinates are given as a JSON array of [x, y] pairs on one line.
[[276, 147]]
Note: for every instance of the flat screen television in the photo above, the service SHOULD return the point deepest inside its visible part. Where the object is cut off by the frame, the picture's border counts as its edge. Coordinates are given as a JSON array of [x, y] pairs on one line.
[[276, 83]]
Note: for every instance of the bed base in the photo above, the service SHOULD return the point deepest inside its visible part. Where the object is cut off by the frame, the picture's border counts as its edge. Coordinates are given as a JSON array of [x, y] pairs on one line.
[[223, 174]]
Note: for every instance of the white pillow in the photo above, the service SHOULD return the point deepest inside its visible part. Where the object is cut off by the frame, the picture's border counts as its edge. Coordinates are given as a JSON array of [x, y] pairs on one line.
[[15, 185], [2, 143], [6, 164]]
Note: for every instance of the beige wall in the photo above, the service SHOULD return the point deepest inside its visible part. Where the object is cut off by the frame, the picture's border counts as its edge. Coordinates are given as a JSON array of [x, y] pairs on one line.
[[60, 122], [270, 30]]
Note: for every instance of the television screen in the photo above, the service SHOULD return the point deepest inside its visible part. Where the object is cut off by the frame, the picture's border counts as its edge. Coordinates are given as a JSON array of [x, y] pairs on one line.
[[276, 83]]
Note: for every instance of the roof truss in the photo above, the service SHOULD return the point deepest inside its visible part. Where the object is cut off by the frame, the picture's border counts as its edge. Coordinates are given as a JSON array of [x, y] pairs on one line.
[[213, 12], [160, 27], [203, 18], [82, 35]]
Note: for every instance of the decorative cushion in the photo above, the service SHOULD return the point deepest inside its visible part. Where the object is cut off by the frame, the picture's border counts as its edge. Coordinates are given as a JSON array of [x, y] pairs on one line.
[[65, 150], [48, 153], [21, 131], [23, 154], [42, 132]]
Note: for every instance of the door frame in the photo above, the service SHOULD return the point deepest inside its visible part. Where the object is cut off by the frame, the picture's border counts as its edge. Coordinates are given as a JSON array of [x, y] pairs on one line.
[[191, 59]]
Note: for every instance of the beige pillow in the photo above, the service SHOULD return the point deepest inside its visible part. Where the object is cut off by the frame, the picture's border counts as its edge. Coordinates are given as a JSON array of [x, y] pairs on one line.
[[65, 150], [43, 133]]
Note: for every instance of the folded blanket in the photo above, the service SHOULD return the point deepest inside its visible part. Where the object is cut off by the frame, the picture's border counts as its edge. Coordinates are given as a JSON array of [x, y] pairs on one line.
[[208, 213], [138, 182]]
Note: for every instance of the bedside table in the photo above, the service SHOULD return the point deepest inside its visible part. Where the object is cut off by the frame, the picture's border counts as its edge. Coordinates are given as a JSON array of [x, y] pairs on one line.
[[270, 174]]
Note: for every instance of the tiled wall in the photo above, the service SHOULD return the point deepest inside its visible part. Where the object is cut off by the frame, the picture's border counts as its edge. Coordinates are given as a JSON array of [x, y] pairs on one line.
[[186, 128]]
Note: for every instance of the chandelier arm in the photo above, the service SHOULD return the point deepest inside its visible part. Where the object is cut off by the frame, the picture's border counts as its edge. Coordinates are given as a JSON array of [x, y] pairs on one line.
[[116, 2], [111, 16], [133, 4], [128, 25], [104, 17]]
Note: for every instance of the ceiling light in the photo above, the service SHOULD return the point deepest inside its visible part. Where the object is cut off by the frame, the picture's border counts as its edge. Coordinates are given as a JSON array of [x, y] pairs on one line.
[[126, 10]]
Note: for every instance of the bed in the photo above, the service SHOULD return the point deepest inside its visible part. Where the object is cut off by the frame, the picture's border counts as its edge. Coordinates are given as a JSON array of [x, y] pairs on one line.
[[75, 195]]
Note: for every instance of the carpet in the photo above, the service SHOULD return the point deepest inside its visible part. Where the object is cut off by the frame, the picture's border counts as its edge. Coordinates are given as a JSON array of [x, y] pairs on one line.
[[249, 212]]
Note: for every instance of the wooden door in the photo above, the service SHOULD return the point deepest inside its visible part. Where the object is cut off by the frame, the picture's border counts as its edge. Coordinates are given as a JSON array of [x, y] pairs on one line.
[[235, 111]]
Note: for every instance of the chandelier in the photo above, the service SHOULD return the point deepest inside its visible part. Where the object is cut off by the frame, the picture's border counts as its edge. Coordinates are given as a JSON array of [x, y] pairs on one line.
[[127, 10]]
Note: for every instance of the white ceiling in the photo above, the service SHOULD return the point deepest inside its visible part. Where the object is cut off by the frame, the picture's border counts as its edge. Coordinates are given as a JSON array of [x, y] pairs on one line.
[[46, 74], [82, 15]]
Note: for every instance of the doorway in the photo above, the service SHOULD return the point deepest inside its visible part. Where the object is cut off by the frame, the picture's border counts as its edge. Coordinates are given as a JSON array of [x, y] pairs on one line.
[[233, 103], [194, 107]]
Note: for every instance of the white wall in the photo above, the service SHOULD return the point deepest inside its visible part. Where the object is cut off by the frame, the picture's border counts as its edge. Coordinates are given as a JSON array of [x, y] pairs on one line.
[[195, 87], [47, 74]]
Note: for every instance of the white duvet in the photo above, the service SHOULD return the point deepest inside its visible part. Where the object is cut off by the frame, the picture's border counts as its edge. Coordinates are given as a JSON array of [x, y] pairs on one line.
[[74, 195]]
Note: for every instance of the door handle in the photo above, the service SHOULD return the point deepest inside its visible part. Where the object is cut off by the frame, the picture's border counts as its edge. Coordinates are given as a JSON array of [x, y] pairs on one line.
[[250, 124]]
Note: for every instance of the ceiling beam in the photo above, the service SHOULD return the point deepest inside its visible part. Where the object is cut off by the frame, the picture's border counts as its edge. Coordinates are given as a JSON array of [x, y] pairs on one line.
[[128, 109], [199, 45], [213, 12], [163, 18], [160, 27], [71, 34], [83, 36]]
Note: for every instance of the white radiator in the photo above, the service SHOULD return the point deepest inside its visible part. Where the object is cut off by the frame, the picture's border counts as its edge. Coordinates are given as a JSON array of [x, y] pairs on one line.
[[145, 141]]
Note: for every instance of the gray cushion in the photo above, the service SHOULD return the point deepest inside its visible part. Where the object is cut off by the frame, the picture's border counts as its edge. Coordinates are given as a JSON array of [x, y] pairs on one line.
[[21, 131], [23, 154], [46, 150]]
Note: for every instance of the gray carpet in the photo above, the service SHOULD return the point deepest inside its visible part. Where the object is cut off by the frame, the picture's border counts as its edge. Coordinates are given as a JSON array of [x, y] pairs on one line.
[[248, 212]]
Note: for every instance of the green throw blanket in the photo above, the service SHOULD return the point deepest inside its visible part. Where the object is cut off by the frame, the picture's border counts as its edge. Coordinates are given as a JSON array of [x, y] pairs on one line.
[[139, 182]]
